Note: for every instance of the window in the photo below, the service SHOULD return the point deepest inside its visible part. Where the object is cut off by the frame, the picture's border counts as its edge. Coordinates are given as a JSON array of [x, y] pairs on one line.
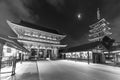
[[8, 50], [35, 35], [27, 33]]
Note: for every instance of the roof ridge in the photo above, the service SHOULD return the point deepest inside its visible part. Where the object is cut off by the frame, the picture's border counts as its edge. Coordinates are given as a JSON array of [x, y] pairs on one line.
[[39, 27]]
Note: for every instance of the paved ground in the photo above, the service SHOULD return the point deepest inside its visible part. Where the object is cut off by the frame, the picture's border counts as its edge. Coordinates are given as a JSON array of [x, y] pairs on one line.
[[65, 70], [24, 71], [71, 70]]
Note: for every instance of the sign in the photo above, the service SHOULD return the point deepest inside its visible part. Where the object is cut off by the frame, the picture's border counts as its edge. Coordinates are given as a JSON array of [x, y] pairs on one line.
[[96, 51], [8, 50]]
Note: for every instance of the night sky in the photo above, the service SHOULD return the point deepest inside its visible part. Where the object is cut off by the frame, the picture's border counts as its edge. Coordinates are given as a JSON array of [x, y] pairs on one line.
[[62, 16]]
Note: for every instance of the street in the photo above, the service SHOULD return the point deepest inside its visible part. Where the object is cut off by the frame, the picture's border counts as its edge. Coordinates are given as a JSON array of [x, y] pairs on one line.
[[65, 70]]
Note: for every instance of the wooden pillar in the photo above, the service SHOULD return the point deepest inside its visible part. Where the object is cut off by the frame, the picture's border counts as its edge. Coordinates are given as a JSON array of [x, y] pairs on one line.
[[37, 54], [45, 53], [88, 57], [115, 58], [55, 53], [103, 58], [1, 52], [21, 58], [52, 53]]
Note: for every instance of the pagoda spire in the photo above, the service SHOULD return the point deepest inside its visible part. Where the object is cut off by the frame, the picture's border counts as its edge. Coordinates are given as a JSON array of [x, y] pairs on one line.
[[98, 13], [99, 29]]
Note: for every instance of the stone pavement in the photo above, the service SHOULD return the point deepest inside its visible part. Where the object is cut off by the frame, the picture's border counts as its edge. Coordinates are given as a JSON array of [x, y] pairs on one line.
[[7, 71], [43, 70], [24, 71]]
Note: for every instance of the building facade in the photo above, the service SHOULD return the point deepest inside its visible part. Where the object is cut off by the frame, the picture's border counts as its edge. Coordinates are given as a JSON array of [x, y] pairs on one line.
[[41, 42]]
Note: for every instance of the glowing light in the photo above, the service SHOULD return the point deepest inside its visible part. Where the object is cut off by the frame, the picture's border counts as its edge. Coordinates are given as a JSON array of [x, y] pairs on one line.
[[79, 16]]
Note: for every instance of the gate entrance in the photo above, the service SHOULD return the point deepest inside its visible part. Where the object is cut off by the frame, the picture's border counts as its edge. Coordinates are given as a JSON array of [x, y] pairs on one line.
[[97, 58], [37, 54], [49, 54]]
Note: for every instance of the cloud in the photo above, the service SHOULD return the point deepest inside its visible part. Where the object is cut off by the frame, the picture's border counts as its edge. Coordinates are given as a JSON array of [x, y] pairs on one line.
[[72, 43], [58, 4], [115, 29], [12, 10], [111, 8], [18, 8], [112, 13]]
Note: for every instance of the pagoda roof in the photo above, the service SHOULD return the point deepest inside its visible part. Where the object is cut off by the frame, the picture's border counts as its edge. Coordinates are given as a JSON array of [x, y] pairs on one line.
[[98, 22], [38, 27], [84, 47]]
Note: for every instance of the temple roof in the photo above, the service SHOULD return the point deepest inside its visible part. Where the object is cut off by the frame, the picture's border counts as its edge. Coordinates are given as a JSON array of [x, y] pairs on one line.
[[84, 47], [34, 26], [12, 42]]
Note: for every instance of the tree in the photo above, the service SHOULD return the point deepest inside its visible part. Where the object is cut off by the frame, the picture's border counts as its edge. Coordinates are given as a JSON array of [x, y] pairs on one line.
[[107, 42]]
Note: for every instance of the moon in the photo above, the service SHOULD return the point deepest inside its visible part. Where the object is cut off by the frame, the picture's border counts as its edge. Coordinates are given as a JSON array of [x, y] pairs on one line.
[[79, 16]]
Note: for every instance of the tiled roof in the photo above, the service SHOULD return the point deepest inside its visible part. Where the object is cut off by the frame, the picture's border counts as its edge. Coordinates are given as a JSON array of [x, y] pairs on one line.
[[34, 26], [84, 47], [12, 42]]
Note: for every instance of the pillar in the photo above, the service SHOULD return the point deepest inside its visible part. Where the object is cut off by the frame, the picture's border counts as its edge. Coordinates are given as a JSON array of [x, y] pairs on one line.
[[21, 57], [56, 53], [52, 54], [37, 53], [1, 52], [88, 57], [45, 53], [115, 58], [103, 57]]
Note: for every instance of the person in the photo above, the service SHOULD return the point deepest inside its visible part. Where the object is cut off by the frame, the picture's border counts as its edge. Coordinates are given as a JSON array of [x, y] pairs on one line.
[[14, 66]]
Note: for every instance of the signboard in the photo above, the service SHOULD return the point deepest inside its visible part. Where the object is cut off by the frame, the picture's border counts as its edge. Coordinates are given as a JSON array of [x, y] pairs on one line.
[[96, 51], [8, 50]]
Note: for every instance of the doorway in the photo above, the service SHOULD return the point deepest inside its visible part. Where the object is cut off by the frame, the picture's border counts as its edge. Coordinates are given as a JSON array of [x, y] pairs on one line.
[[49, 54], [97, 58]]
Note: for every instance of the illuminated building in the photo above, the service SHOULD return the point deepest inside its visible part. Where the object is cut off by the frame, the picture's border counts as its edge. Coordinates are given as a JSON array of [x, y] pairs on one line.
[[98, 32], [94, 49], [99, 29], [41, 41]]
